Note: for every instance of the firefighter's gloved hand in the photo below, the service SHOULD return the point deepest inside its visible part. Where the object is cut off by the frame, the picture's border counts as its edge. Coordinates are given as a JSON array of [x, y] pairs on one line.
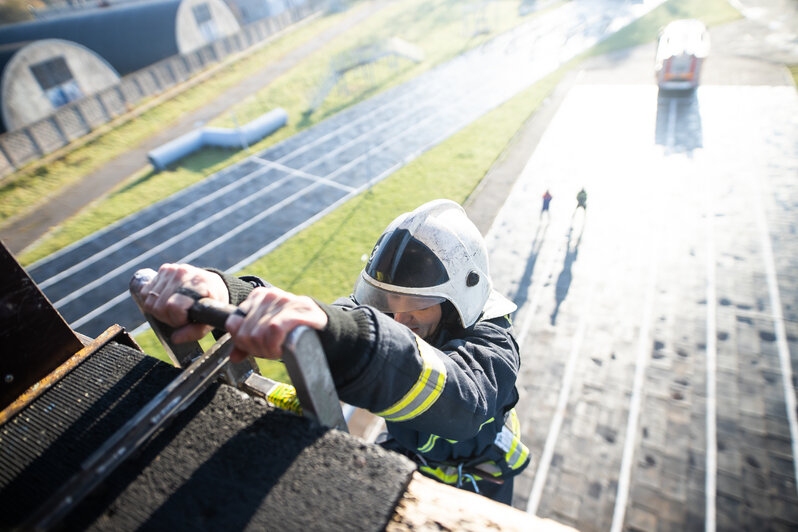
[[160, 298], [271, 314]]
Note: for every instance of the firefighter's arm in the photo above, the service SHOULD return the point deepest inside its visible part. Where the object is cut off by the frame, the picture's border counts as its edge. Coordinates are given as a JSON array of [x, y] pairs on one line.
[[380, 365]]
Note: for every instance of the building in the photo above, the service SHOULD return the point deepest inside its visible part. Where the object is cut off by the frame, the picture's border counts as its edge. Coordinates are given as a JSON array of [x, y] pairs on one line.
[[124, 39]]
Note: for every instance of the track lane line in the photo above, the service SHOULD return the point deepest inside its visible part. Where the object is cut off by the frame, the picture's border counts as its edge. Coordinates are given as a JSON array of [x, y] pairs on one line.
[[555, 426], [148, 229], [711, 459], [120, 297], [778, 324], [641, 363], [166, 243]]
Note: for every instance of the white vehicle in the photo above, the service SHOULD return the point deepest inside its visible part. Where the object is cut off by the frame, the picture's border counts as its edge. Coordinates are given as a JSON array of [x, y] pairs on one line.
[[682, 48]]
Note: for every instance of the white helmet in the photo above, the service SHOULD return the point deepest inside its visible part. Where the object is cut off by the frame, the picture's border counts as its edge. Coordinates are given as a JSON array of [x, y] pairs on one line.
[[428, 256]]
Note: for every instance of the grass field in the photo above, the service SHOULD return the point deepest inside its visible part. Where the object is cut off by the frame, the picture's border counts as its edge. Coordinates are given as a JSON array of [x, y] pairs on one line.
[[411, 20], [324, 259]]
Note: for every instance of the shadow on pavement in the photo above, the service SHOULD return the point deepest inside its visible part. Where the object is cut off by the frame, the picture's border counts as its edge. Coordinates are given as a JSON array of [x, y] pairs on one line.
[[678, 127], [565, 277], [522, 293]]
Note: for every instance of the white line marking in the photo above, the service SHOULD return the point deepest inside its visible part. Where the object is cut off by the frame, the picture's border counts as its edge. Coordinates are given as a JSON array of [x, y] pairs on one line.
[[232, 186], [82, 320], [93, 236], [710, 480], [149, 229], [778, 324], [498, 82], [193, 254], [433, 80], [301, 173], [643, 345], [392, 103], [166, 243], [252, 221], [559, 413]]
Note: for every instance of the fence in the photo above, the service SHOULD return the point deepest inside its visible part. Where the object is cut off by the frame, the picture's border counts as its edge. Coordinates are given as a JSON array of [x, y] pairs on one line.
[[76, 119]]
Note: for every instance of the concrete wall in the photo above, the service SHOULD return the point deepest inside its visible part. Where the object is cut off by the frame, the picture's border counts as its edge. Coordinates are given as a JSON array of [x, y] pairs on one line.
[[24, 101]]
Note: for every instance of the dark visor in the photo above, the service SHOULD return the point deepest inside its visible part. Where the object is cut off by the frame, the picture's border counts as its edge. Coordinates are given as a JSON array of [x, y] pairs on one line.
[[401, 260]]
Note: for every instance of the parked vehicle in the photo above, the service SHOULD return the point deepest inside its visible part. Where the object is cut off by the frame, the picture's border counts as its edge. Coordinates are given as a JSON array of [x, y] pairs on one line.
[[682, 48]]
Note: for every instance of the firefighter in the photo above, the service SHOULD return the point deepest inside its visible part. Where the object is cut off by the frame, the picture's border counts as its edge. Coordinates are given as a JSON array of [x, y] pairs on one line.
[[423, 341]]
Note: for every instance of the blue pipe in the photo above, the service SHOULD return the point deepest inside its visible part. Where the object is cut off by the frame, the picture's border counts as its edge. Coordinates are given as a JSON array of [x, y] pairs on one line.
[[240, 137]]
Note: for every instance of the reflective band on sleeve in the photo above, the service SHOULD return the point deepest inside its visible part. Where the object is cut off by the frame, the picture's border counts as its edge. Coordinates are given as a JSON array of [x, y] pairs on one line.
[[509, 440], [425, 391], [447, 475], [517, 454], [427, 447]]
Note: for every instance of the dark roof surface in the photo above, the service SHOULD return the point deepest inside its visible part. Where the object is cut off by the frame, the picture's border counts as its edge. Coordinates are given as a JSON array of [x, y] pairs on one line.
[[129, 37], [227, 462]]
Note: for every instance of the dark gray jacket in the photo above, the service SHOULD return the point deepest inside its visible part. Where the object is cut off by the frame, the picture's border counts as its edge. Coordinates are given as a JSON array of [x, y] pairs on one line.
[[446, 404]]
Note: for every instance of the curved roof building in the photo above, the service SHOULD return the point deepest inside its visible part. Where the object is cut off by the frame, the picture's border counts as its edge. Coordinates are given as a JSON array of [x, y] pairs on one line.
[[43, 75], [133, 36], [100, 44]]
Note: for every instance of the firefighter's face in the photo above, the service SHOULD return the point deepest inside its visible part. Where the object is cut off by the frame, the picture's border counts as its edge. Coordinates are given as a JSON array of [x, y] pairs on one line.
[[423, 322]]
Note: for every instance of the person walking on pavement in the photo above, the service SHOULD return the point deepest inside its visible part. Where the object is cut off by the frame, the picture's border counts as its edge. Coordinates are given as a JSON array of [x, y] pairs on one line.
[[423, 342], [546, 201], [581, 199]]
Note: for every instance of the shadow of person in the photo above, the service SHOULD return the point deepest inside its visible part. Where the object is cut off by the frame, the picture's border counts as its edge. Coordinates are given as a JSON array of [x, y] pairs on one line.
[[565, 277], [522, 293]]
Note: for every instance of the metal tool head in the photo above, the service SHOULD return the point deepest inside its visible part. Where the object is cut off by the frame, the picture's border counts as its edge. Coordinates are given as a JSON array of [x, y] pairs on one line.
[[307, 366]]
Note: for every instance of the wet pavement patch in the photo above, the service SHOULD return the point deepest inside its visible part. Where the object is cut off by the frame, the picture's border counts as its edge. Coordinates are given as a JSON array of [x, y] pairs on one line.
[[767, 336]]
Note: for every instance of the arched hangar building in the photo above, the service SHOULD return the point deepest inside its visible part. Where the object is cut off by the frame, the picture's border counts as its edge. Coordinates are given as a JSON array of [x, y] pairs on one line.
[[48, 63]]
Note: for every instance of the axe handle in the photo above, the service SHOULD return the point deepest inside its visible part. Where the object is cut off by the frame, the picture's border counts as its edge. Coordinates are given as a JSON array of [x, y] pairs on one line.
[[211, 312]]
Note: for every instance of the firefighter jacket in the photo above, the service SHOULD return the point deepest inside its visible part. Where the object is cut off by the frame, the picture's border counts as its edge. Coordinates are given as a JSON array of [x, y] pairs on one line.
[[447, 404]]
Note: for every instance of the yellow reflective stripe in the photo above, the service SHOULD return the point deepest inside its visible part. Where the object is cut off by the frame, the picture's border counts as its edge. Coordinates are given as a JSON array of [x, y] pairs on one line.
[[425, 391], [427, 447], [515, 425], [284, 396], [440, 474], [448, 475], [518, 452]]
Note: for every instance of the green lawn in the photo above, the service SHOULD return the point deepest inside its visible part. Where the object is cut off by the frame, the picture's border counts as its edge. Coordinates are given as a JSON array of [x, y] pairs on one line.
[[324, 259], [411, 20]]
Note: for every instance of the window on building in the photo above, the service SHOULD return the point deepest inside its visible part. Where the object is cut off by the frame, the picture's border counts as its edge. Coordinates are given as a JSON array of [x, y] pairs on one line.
[[207, 27], [56, 80]]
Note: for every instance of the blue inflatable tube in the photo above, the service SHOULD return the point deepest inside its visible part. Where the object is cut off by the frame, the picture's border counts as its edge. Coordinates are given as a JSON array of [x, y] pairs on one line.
[[240, 137]]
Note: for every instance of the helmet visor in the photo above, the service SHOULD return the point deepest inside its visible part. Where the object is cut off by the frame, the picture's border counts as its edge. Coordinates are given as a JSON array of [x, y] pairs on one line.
[[391, 302], [402, 260]]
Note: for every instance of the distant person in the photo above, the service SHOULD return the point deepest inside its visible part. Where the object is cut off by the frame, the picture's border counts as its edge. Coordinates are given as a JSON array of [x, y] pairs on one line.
[[424, 342], [546, 201], [581, 199]]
